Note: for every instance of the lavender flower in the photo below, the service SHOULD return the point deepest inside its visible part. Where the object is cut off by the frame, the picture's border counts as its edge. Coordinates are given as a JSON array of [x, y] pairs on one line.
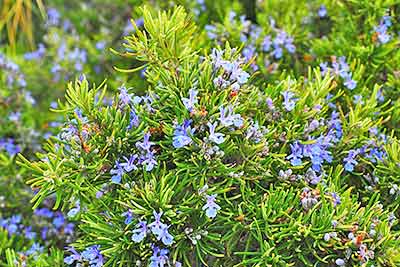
[[308, 199], [117, 173], [288, 101], [133, 120], [296, 155], [228, 118], [336, 199], [160, 229], [182, 134], [157, 226], [350, 161], [129, 164], [217, 138], [191, 101], [381, 30], [322, 12], [125, 98], [211, 207], [129, 216], [159, 257], [140, 232]]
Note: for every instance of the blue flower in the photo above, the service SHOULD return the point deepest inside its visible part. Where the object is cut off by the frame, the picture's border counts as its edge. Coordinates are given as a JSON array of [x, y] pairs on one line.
[[146, 144], [296, 154], [74, 211], [157, 226], [133, 120], [129, 164], [318, 152], [181, 134], [211, 207], [288, 101], [147, 157], [129, 216], [191, 101], [72, 258], [140, 232], [165, 236], [35, 249], [217, 138], [159, 257], [266, 44], [336, 199], [93, 256], [350, 161], [228, 118], [322, 12], [381, 30], [124, 97], [350, 83], [29, 234], [117, 173]]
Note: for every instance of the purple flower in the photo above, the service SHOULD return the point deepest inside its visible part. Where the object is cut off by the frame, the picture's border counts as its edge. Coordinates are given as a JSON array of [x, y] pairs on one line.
[[117, 173], [322, 12], [266, 44], [350, 161], [146, 144], [350, 83], [157, 226], [217, 138], [140, 232], [124, 97], [228, 118], [159, 257], [296, 154], [129, 164], [191, 101], [165, 236], [288, 101], [129, 216], [336, 199], [211, 207], [133, 120], [182, 134]]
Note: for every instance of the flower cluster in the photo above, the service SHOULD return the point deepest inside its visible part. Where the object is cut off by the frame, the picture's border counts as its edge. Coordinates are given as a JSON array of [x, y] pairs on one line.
[[339, 69], [145, 157], [381, 30]]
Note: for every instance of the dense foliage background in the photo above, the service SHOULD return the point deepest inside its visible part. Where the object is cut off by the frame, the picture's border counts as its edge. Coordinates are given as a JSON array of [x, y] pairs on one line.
[[199, 133]]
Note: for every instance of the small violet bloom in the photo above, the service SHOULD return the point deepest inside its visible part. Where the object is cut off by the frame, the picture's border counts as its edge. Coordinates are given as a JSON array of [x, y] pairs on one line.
[[211, 207], [191, 101], [288, 101], [217, 138], [140, 232], [182, 134]]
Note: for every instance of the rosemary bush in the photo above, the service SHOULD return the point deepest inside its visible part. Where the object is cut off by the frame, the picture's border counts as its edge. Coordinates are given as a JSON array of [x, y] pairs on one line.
[[211, 165], [217, 133]]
